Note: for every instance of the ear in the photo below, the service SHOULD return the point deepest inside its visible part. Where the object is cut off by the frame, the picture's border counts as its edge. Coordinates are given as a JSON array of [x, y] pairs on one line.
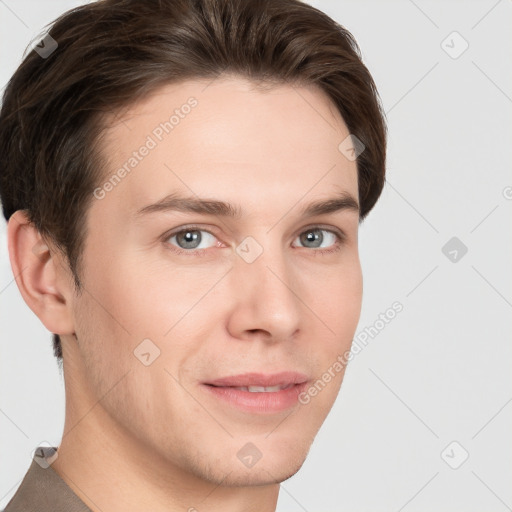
[[41, 276]]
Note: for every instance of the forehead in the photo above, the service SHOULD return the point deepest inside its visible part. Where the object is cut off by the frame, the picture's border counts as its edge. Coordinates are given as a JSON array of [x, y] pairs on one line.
[[227, 139]]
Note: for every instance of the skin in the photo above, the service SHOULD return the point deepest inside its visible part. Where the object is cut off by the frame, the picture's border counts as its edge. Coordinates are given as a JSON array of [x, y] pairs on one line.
[[151, 432]]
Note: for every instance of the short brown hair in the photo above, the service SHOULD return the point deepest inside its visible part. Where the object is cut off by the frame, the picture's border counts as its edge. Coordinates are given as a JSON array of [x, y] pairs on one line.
[[111, 53]]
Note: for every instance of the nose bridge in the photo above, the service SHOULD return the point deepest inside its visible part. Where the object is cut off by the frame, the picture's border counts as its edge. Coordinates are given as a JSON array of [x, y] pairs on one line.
[[266, 288], [269, 271]]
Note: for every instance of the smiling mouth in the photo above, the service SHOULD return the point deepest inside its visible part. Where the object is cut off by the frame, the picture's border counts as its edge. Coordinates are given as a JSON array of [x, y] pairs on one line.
[[258, 393]]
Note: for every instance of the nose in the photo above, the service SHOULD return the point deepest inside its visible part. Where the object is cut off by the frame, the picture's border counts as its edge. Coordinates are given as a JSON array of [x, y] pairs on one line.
[[267, 302]]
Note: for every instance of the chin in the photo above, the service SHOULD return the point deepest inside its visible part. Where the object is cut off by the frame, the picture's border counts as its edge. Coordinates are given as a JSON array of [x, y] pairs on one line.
[[270, 469], [260, 476]]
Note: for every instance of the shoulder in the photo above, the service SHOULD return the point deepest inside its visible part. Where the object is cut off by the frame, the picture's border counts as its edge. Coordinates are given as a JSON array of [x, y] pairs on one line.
[[43, 490]]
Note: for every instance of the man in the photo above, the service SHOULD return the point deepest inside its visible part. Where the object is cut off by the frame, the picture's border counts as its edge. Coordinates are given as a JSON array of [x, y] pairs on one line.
[[183, 183]]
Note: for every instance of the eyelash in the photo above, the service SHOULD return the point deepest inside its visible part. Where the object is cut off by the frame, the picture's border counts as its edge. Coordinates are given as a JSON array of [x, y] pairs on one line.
[[340, 239]]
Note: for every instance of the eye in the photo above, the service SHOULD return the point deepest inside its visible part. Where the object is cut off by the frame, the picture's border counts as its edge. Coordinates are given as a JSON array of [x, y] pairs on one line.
[[194, 241], [319, 238], [192, 238]]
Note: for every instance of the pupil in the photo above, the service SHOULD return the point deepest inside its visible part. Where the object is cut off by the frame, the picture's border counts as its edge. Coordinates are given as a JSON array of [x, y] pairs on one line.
[[314, 237], [190, 238]]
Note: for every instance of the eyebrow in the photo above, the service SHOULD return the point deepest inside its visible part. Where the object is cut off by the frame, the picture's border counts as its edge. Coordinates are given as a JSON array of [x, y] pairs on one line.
[[344, 201]]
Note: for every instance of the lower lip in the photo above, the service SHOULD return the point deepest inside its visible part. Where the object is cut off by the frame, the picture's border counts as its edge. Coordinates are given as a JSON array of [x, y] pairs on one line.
[[258, 402]]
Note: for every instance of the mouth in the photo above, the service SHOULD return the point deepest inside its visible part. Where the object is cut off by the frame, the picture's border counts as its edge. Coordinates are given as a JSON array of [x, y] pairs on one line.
[[257, 392], [260, 389]]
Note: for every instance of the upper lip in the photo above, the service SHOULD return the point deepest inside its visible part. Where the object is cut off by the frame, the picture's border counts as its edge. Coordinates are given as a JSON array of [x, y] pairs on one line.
[[260, 379]]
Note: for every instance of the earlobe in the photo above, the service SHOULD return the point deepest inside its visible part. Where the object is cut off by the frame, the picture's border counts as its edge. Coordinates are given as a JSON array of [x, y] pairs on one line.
[[39, 274]]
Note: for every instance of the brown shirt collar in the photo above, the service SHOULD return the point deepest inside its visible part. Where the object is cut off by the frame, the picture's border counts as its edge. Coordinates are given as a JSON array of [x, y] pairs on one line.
[[43, 490]]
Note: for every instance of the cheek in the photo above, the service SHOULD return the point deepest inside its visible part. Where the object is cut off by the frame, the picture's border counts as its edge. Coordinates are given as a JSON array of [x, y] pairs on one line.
[[338, 306], [103, 356], [168, 305], [163, 299], [348, 307], [136, 301], [337, 296]]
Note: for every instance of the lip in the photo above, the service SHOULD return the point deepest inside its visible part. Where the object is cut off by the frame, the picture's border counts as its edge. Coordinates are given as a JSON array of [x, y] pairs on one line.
[[264, 402], [261, 379]]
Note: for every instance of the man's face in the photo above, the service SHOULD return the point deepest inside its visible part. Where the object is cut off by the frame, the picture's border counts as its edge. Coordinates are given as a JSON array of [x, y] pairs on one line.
[[265, 292]]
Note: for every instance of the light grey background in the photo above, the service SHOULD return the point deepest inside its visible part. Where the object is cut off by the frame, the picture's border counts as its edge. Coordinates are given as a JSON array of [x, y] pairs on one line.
[[440, 371]]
